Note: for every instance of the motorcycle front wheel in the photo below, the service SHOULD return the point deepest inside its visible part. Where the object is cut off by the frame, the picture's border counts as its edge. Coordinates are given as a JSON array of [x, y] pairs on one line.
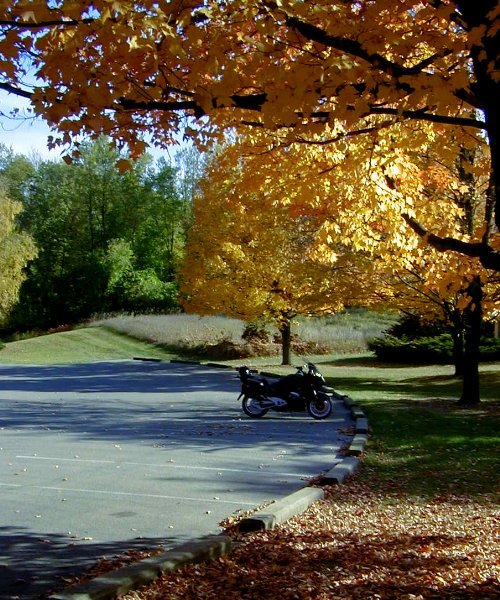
[[319, 407], [252, 407]]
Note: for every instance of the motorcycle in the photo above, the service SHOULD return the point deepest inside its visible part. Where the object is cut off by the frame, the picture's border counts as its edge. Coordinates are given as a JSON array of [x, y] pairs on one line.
[[303, 390]]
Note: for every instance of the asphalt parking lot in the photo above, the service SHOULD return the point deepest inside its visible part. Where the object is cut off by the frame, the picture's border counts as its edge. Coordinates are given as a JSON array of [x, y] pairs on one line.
[[97, 459]]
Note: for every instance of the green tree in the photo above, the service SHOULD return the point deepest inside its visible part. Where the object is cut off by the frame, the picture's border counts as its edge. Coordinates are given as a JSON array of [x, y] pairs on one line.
[[16, 171], [77, 213], [16, 249], [161, 237]]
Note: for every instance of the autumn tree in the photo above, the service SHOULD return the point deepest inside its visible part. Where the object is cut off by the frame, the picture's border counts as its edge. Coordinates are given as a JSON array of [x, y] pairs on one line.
[[16, 249], [422, 289], [334, 69], [359, 193], [249, 258], [448, 287]]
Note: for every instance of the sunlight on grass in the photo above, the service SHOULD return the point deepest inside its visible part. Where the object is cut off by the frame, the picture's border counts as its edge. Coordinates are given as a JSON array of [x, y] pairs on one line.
[[80, 345]]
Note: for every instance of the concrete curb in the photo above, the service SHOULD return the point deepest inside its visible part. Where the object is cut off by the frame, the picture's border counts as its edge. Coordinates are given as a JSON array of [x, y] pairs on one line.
[[357, 446], [346, 467], [128, 578], [281, 510], [121, 581]]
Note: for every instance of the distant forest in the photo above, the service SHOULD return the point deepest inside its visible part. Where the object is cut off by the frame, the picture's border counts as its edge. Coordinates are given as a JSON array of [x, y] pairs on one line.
[[105, 240]]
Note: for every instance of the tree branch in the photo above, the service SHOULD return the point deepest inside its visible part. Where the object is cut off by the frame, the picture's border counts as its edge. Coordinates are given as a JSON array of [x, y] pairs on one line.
[[375, 59], [14, 90], [355, 48], [167, 106], [422, 115], [243, 101], [489, 258], [42, 24]]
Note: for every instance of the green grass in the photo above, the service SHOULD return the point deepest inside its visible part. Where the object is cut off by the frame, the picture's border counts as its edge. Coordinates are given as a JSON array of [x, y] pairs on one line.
[[77, 346], [429, 447], [421, 442]]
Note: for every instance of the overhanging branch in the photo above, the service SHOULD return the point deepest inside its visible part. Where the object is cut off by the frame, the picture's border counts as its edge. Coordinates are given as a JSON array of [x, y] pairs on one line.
[[354, 48], [167, 106], [422, 115], [20, 24], [488, 257], [14, 90], [243, 101]]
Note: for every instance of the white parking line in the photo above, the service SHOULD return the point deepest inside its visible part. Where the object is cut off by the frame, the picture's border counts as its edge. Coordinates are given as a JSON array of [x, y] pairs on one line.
[[164, 497], [111, 493], [88, 460], [167, 466]]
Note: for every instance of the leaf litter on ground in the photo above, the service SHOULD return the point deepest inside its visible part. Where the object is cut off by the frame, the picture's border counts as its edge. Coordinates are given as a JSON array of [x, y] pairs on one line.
[[359, 542]]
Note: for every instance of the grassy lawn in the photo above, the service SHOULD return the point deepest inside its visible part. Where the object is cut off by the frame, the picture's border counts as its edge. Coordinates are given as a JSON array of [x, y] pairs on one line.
[[79, 345], [419, 520], [421, 441]]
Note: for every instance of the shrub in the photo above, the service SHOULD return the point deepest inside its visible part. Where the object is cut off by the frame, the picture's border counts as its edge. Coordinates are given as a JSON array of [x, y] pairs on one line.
[[490, 349], [437, 349], [256, 332], [427, 350], [413, 326]]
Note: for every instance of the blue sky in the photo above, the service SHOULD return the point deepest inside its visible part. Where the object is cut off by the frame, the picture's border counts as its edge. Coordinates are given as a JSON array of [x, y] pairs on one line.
[[23, 136], [30, 135]]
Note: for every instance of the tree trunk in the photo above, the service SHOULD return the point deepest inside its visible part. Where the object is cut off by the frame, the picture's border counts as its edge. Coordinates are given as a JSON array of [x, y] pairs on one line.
[[458, 351], [484, 54], [457, 334], [492, 116], [286, 343], [472, 320]]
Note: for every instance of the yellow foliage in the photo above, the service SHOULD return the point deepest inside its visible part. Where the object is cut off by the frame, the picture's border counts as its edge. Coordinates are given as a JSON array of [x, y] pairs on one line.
[[344, 102], [249, 257], [16, 249], [328, 226]]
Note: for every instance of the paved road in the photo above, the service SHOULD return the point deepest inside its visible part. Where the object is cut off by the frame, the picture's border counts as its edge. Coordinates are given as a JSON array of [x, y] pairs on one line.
[[99, 458]]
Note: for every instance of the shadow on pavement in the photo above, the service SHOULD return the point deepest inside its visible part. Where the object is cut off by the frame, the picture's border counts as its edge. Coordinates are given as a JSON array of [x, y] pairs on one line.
[[34, 567], [137, 404]]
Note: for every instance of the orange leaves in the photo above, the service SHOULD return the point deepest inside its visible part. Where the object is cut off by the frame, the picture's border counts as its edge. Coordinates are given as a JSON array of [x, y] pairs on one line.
[[55, 112], [123, 165], [354, 196], [361, 542], [343, 60], [307, 72]]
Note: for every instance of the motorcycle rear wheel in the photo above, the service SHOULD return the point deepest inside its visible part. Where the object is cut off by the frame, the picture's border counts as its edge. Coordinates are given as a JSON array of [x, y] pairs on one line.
[[319, 408], [252, 407]]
